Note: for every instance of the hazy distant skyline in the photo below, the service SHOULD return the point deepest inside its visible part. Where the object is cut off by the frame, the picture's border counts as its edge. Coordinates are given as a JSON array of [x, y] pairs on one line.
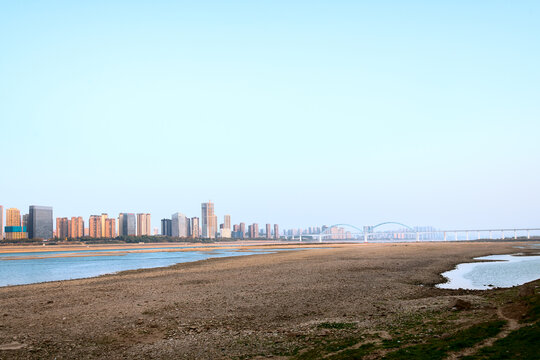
[[299, 113]]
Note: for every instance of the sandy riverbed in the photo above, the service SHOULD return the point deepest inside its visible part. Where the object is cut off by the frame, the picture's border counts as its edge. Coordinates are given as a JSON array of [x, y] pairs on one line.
[[7, 249], [228, 307], [127, 250]]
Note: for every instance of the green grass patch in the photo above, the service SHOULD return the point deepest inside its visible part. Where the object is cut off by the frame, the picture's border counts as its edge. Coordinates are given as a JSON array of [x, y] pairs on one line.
[[533, 305], [327, 347], [336, 325], [519, 344], [358, 353], [439, 348], [334, 346], [391, 343]]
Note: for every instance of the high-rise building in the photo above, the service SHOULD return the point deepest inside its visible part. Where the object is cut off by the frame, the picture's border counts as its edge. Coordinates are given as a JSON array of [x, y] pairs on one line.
[[242, 230], [110, 228], [226, 230], [188, 227], [128, 224], [179, 225], [104, 218], [268, 231], [254, 231], [276, 231], [40, 222], [1, 222], [120, 224], [166, 227], [143, 224], [195, 228], [62, 228], [94, 226], [208, 220], [14, 229], [13, 217], [76, 227], [236, 233]]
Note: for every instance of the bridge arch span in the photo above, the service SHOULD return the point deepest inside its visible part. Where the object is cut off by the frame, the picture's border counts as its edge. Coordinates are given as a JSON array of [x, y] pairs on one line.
[[392, 222]]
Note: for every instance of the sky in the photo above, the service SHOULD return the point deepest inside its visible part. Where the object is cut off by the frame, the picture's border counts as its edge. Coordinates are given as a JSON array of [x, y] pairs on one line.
[[300, 113]]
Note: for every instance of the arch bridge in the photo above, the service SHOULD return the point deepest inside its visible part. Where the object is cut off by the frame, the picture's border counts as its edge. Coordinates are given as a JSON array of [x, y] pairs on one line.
[[407, 233], [358, 232]]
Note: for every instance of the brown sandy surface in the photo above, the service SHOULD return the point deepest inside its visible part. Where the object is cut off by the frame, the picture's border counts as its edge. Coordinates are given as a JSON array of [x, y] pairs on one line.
[[243, 307], [8, 249]]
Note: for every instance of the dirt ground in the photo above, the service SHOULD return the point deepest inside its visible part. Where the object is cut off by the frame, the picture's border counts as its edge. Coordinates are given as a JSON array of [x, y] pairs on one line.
[[257, 306]]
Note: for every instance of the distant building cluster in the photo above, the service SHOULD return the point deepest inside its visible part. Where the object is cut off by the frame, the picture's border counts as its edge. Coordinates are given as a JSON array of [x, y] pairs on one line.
[[331, 233], [179, 225], [38, 224]]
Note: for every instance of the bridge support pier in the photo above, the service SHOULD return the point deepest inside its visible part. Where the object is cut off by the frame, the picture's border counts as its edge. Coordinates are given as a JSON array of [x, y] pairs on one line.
[[502, 236], [417, 236], [515, 234], [467, 236], [456, 236], [445, 236], [490, 235], [529, 234], [365, 236]]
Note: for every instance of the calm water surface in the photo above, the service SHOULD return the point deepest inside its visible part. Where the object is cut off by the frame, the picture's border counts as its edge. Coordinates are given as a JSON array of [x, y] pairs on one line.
[[29, 271], [501, 271]]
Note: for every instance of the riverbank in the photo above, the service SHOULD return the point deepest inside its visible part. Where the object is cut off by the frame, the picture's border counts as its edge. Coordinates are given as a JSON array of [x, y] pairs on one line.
[[75, 251], [278, 305], [189, 246]]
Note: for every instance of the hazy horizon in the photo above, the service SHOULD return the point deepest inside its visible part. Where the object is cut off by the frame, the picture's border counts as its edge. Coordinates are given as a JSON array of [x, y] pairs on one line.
[[296, 113]]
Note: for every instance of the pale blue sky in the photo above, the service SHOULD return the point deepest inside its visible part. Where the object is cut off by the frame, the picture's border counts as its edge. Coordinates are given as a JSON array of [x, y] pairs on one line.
[[292, 112]]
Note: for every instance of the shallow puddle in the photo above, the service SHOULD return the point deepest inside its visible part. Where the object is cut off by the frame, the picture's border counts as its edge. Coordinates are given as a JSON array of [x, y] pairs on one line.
[[498, 271]]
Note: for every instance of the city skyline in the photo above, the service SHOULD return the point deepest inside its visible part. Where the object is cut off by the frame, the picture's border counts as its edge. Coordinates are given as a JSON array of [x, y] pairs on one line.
[[418, 112], [42, 221], [182, 226], [131, 224], [179, 226]]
